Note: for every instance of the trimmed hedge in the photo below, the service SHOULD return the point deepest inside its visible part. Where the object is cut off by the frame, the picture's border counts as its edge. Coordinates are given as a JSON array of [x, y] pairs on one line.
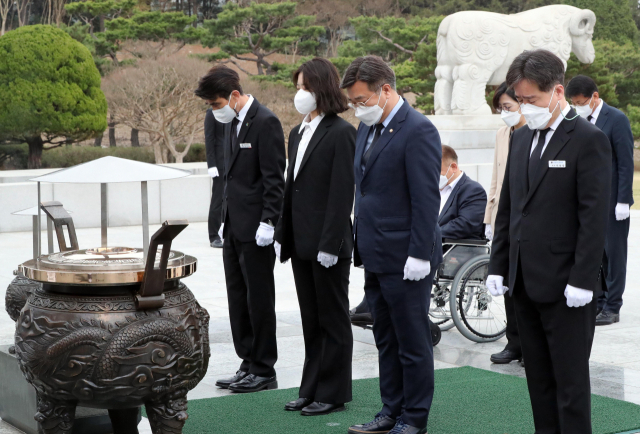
[[68, 156]]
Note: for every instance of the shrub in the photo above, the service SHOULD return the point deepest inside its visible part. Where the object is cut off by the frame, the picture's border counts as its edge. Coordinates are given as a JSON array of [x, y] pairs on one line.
[[49, 90]]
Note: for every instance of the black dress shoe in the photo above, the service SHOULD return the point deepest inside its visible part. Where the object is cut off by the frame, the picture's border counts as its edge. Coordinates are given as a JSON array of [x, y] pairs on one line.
[[607, 317], [253, 383], [217, 243], [598, 310], [403, 428], [320, 408], [226, 382], [298, 404], [505, 356], [381, 424], [364, 318]]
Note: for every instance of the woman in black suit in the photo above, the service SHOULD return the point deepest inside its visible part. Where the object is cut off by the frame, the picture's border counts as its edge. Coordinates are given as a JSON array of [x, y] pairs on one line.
[[314, 231]]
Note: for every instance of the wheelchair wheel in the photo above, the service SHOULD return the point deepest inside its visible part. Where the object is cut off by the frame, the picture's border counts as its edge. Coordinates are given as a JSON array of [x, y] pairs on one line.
[[436, 333], [478, 315], [439, 309]]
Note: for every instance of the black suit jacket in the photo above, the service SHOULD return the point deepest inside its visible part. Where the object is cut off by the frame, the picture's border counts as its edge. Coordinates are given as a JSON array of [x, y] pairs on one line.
[[317, 205], [462, 217], [254, 173], [214, 142], [615, 125], [556, 227]]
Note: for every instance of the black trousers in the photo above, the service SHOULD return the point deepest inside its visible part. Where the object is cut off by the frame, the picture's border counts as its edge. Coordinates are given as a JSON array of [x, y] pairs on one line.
[[405, 350], [556, 344], [513, 337], [248, 270], [616, 254], [323, 295], [215, 208]]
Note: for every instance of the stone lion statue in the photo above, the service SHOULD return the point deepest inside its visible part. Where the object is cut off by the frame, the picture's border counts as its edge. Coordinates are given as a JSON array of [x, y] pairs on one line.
[[476, 48]]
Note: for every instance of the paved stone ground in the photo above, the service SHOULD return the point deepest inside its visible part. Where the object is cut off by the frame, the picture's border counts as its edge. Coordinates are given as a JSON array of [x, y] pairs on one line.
[[615, 359]]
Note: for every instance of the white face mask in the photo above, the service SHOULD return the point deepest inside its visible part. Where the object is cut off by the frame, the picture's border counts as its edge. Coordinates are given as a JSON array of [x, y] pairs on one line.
[[305, 102], [443, 179], [226, 113], [584, 110], [511, 118], [538, 117], [369, 115]]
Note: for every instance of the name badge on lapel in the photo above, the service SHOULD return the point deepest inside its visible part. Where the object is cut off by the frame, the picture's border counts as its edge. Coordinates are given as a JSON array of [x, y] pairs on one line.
[[557, 164], [245, 145]]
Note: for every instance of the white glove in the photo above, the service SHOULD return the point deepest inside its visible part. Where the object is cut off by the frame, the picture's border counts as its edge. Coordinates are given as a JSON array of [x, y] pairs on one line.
[[213, 172], [221, 231], [622, 211], [278, 248], [264, 235], [416, 269], [488, 233], [495, 285], [577, 297], [327, 260]]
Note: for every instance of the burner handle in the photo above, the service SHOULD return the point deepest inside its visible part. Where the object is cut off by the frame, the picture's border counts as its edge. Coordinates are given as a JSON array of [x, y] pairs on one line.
[[61, 218], [151, 294]]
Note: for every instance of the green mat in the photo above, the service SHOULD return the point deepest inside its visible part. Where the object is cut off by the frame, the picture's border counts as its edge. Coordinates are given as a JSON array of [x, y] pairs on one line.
[[467, 401]]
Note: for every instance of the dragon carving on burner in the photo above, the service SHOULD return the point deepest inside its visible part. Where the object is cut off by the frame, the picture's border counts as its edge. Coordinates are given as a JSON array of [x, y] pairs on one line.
[[101, 352]]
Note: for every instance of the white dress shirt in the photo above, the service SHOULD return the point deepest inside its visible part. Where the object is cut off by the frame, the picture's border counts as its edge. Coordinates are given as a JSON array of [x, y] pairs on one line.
[[446, 191], [309, 127], [596, 112], [243, 113], [552, 129]]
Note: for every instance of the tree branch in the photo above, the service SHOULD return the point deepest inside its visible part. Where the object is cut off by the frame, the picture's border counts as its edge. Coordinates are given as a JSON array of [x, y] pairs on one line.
[[240, 67], [398, 46]]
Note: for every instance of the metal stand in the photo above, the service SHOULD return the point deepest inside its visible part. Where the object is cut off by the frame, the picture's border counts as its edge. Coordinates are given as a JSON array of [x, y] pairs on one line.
[[37, 241], [104, 213], [145, 218]]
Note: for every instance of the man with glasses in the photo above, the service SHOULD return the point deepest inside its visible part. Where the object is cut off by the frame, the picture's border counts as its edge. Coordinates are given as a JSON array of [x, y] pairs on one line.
[[583, 93], [397, 239]]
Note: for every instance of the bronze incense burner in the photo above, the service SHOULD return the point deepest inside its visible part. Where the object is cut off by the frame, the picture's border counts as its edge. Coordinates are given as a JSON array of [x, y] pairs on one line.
[[112, 328]]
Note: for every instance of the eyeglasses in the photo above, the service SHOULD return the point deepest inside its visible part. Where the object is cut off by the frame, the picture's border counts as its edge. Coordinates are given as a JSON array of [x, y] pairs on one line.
[[363, 104]]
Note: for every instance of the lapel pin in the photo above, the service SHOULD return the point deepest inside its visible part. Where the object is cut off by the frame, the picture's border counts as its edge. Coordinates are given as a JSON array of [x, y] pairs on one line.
[[391, 130]]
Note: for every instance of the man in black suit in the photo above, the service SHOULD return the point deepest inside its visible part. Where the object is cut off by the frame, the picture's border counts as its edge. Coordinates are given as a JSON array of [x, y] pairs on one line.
[[397, 239], [462, 201], [253, 185], [583, 92], [214, 145], [549, 241]]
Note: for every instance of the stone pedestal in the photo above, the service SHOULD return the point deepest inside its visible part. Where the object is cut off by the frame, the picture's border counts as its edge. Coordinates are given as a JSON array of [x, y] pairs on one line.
[[473, 137], [18, 402]]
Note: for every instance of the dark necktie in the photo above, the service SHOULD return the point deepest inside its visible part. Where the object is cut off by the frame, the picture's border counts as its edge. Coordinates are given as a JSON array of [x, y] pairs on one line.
[[589, 118], [534, 159], [233, 138], [376, 136]]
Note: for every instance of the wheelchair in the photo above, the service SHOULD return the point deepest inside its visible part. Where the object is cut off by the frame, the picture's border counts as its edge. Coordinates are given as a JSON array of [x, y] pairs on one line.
[[460, 297]]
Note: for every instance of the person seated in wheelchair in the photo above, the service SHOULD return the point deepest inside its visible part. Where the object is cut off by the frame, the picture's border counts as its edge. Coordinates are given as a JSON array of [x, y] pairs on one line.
[[462, 201], [462, 207]]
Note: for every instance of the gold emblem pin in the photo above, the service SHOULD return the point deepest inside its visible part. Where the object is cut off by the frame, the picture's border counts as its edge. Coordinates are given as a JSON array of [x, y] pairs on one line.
[[391, 130]]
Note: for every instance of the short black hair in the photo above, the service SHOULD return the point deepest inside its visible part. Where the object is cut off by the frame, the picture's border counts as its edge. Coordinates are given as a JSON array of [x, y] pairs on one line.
[[321, 78], [449, 154], [501, 90], [538, 66], [219, 82], [372, 70], [581, 85]]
